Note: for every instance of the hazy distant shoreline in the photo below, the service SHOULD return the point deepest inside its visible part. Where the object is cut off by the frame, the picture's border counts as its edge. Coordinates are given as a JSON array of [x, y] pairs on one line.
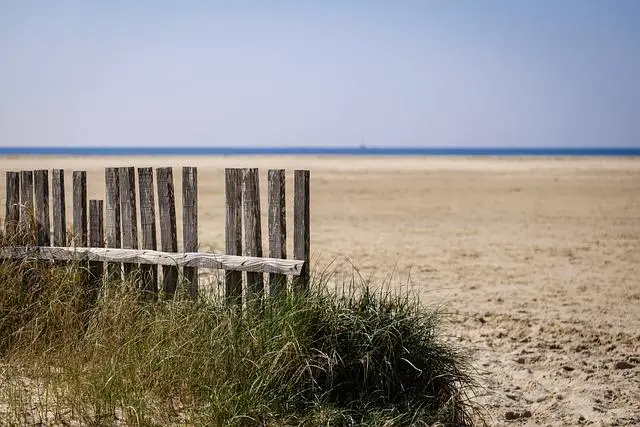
[[330, 151]]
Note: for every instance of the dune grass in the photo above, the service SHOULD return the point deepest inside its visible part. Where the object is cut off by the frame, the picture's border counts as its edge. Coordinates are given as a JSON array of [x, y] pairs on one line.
[[360, 357]]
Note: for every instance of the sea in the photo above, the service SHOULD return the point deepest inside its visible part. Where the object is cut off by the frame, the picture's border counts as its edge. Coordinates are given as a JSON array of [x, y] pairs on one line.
[[322, 151]]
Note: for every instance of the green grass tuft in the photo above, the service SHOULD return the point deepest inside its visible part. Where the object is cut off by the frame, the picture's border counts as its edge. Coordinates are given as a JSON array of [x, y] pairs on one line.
[[361, 357]]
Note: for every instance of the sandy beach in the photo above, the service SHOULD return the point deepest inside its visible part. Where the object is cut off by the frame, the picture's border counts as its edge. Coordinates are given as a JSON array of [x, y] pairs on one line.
[[537, 260]]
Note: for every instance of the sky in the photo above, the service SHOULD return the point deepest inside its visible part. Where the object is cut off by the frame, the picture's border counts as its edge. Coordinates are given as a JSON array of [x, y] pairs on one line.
[[481, 73]]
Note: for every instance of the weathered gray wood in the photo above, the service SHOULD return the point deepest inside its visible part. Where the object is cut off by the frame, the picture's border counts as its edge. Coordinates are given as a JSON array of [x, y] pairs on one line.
[[43, 223], [59, 213], [112, 219], [168, 232], [301, 228], [80, 208], [252, 228], [96, 240], [277, 228], [190, 225], [26, 200], [233, 232], [235, 263], [148, 273], [12, 216], [128, 215]]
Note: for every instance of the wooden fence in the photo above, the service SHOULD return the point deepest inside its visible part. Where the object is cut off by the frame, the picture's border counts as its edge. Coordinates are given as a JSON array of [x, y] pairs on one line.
[[106, 230]]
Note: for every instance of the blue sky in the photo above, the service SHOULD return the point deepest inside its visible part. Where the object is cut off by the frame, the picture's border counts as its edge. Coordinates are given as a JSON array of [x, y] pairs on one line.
[[382, 73]]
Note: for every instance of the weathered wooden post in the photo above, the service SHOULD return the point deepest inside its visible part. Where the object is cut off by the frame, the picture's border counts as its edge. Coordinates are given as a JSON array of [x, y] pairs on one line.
[[96, 240], [12, 216], [168, 232], [190, 225], [277, 228], [59, 214], [148, 273], [301, 225], [233, 232], [128, 212], [43, 228], [26, 204], [252, 229], [112, 220], [80, 208]]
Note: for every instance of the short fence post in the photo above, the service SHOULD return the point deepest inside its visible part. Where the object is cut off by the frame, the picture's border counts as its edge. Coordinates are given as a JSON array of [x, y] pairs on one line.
[[43, 227], [233, 232], [301, 225], [168, 232], [26, 202], [277, 228], [96, 239], [59, 214], [252, 229], [12, 216], [149, 273], [127, 183], [112, 220], [190, 225]]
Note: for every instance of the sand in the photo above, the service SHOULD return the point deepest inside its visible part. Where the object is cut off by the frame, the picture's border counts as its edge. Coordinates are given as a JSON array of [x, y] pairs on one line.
[[537, 260]]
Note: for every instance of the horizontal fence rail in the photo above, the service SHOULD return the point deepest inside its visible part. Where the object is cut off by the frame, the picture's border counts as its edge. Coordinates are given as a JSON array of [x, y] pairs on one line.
[[289, 267]]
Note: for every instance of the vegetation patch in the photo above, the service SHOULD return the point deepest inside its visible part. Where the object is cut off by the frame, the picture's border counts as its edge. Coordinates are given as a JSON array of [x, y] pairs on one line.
[[360, 357]]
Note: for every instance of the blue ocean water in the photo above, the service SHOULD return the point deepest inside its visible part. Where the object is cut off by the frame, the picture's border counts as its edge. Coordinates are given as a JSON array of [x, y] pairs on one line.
[[328, 151]]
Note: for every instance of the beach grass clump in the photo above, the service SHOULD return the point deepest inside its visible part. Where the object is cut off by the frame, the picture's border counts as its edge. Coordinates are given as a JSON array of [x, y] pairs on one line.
[[325, 357]]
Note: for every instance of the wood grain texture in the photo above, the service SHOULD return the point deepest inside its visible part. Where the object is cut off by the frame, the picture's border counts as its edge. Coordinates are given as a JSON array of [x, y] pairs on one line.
[[168, 232], [12, 214], [42, 216], [301, 227], [112, 217], [128, 214], [235, 263], [277, 228], [190, 225], [252, 228], [80, 208], [96, 240], [26, 198], [148, 273], [233, 232], [59, 212]]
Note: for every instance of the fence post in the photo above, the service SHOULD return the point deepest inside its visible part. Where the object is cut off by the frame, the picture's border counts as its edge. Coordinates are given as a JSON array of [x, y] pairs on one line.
[[190, 225], [112, 220], [12, 216], [26, 202], [252, 229], [59, 214], [96, 239], [149, 273], [80, 208], [301, 226], [127, 184], [43, 227], [277, 228], [233, 232], [168, 233]]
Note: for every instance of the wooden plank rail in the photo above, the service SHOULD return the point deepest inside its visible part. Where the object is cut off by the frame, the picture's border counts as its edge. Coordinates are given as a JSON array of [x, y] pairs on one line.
[[290, 267]]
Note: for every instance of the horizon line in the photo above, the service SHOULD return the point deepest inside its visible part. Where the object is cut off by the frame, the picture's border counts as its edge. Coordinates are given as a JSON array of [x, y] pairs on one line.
[[323, 150]]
